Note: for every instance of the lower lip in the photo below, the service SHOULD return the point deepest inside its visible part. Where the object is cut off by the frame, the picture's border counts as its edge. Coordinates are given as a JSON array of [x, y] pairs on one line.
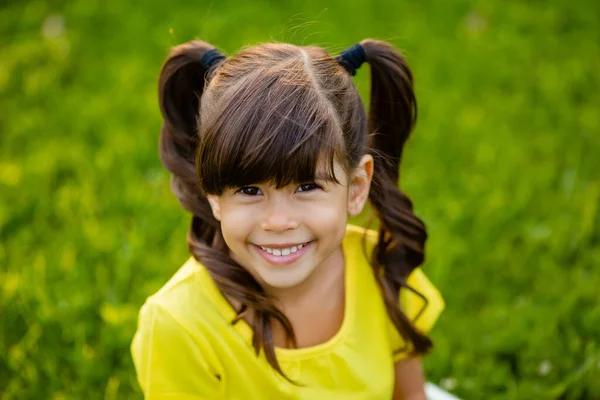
[[283, 260]]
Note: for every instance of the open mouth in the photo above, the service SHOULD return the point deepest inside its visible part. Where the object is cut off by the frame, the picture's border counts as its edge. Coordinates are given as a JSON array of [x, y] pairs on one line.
[[283, 255], [283, 251]]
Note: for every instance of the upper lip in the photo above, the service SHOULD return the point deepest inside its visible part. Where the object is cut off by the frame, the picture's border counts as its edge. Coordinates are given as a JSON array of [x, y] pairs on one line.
[[281, 245]]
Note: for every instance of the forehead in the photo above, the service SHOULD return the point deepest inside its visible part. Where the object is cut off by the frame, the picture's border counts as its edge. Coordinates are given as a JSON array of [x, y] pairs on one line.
[[322, 172]]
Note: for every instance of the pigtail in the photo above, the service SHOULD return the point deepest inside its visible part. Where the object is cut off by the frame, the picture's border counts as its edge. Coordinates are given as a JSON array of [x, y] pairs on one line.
[[402, 235], [182, 82]]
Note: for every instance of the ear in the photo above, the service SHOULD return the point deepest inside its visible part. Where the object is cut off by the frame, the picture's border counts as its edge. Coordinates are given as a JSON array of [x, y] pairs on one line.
[[360, 184], [215, 206]]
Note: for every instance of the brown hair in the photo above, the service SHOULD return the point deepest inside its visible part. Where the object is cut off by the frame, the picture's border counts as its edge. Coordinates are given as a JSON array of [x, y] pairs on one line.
[[269, 113]]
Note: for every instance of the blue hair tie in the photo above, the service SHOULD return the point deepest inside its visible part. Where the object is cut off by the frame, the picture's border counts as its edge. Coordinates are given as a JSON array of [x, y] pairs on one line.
[[352, 58], [211, 57]]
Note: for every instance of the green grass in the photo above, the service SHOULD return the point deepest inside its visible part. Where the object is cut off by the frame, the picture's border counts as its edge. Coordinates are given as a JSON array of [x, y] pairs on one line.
[[501, 167]]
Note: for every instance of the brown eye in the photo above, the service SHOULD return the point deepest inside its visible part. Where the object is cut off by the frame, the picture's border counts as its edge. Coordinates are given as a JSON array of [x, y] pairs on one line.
[[307, 187], [249, 190]]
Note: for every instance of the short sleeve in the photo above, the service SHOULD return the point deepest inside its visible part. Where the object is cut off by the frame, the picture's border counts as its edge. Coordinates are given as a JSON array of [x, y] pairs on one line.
[[169, 362], [423, 313]]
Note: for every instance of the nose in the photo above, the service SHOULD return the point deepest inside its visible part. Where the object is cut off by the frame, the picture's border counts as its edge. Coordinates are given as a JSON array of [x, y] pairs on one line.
[[279, 216]]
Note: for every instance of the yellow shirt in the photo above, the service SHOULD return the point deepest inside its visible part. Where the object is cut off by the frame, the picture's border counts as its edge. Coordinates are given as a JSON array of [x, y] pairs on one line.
[[186, 347]]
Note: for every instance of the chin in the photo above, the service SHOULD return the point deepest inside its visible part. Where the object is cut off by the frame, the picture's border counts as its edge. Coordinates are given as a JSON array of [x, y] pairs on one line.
[[286, 279]]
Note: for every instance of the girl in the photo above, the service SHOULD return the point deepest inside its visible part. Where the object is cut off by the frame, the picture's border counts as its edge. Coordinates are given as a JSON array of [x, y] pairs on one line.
[[271, 151]]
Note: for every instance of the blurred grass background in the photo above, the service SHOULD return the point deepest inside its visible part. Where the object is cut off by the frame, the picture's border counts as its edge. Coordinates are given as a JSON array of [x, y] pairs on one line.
[[502, 167]]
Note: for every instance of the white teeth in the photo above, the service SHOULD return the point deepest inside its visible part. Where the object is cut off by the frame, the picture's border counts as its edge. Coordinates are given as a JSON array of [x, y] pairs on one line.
[[283, 252]]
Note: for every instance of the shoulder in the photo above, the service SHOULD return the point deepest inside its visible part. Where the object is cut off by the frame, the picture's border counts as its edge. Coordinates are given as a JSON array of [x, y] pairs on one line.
[[421, 302], [425, 303], [185, 299]]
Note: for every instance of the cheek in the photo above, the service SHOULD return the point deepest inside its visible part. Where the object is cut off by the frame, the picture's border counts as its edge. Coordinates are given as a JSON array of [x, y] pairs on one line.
[[236, 223], [328, 212]]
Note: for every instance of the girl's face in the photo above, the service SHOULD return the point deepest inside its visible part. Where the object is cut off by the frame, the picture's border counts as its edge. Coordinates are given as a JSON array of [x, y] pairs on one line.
[[281, 236]]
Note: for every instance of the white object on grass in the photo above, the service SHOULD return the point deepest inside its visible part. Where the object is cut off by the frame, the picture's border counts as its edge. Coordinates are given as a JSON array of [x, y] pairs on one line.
[[433, 392]]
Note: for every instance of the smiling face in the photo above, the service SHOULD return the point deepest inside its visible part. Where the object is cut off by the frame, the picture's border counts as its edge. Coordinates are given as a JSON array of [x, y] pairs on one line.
[[282, 236], [272, 121]]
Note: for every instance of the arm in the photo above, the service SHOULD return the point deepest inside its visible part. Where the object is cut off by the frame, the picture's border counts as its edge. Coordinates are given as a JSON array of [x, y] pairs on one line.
[[410, 382], [409, 378]]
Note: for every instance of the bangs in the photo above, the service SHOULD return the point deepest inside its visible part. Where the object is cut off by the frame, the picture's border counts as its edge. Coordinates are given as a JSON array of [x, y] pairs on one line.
[[273, 129]]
